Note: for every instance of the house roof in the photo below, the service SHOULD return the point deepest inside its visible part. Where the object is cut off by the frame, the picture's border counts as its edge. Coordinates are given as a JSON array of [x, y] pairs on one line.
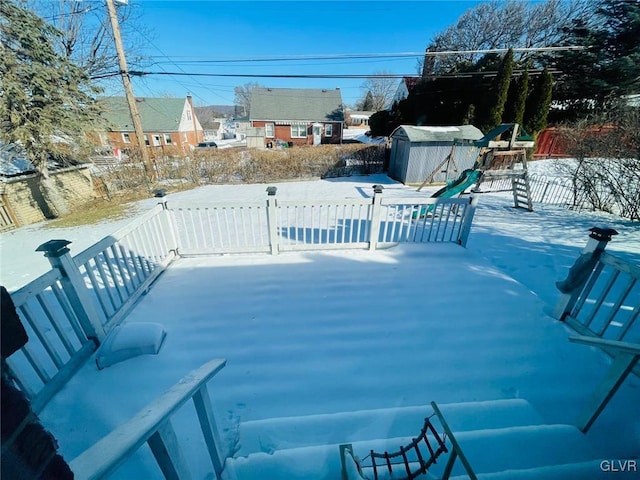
[[296, 104], [437, 134], [157, 114]]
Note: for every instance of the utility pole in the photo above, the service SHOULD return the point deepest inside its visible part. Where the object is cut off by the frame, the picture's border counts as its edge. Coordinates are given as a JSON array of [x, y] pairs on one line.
[[128, 92]]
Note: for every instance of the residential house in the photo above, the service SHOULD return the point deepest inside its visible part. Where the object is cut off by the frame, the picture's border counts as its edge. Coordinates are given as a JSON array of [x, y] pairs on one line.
[[405, 87], [358, 119], [298, 116], [169, 124]]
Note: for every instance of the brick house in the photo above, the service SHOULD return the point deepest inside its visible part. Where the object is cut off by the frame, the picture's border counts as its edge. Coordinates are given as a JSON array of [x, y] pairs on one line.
[[170, 125], [298, 116]]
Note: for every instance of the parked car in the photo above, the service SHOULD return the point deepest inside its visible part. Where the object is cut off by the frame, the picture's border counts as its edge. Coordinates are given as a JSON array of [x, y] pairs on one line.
[[207, 145]]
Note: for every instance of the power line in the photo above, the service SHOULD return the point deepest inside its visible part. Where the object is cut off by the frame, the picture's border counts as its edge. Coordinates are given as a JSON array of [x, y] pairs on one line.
[[351, 56], [140, 73]]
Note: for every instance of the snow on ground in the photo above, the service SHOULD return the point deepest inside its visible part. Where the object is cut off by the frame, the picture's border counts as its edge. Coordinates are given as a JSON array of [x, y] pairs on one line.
[[332, 332]]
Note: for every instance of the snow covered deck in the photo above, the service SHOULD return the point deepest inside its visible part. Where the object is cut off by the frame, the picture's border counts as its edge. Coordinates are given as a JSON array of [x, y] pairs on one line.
[[329, 347], [336, 332]]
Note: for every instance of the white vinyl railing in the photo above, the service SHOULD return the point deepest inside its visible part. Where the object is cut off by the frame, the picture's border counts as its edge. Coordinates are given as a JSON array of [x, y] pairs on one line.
[[601, 295], [58, 344], [152, 425], [601, 301], [119, 268], [68, 311], [284, 225]]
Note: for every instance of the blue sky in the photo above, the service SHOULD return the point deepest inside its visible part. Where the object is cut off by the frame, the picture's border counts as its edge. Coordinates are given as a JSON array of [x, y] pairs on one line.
[[191, 37]]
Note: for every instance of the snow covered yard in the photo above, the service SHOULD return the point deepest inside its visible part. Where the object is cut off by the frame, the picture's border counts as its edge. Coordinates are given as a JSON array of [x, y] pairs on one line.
[[313, 334]]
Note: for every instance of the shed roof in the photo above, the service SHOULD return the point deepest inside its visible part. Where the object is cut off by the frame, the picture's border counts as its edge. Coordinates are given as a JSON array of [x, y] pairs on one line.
[[156, 114], [437, 134], [296, 104]]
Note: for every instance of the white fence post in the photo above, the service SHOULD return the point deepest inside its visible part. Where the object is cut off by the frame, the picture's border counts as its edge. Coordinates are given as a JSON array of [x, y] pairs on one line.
[[580, 271], [467, 220], [272, 219], [168, 223], [376, 213], [74, 286]]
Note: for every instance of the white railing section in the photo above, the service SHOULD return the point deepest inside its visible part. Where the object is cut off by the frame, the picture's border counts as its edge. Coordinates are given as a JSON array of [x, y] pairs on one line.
[[152, 425], [221, 228], [120, 268], [323, 224], [57, 344], [601, 301], [284, 225], [432, 220], [68, 311], [601, 295]]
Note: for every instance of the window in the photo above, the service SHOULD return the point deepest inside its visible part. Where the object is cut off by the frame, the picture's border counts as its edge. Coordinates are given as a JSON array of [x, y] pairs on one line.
[[328, 130], [298, 131], [156, 140], [167, 139], [146, 140], [269, 130], [126, 138], [188, 114]]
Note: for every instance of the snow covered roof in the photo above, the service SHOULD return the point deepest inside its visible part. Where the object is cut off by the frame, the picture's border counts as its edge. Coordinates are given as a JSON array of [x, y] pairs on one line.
[[415, 133], [13, 161]]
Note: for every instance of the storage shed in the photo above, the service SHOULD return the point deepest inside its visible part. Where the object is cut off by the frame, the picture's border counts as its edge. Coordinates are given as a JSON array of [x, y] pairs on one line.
[[437, 154]]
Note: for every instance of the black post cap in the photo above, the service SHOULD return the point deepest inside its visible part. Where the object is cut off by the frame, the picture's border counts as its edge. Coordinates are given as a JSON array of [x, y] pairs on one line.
[[602, 234]]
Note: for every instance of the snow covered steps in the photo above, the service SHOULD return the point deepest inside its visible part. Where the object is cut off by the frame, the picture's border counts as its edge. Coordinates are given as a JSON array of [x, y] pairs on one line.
[[502, 439]]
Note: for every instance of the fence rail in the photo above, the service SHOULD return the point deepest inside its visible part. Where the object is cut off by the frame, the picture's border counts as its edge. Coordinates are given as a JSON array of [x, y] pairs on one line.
[[119, 268], [543, 189], [287, 225]]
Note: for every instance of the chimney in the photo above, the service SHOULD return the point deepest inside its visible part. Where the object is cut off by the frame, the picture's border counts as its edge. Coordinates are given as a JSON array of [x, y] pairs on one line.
[[429, 63], [193, 117]]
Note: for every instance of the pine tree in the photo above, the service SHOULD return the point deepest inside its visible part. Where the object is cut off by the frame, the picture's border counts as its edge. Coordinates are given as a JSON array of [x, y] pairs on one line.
[[537, 110], [367, 103], [43, 94], [522, 90], [500, 89], [608, 68]]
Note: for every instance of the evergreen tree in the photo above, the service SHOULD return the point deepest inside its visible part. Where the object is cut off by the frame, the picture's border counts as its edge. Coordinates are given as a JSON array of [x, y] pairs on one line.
[[608, 67], [367, 103], [537, 110], [522, 90], [42, 94], [500, 88]]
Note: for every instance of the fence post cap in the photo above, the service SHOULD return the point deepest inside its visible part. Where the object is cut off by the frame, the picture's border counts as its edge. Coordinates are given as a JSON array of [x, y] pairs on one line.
[[271, 191], [378, 188], [54, 248], [603, 234]]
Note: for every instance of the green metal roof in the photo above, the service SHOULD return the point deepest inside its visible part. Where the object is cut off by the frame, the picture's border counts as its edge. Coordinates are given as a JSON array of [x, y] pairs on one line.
[[437, 134], [296, 104], [157, 114]]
